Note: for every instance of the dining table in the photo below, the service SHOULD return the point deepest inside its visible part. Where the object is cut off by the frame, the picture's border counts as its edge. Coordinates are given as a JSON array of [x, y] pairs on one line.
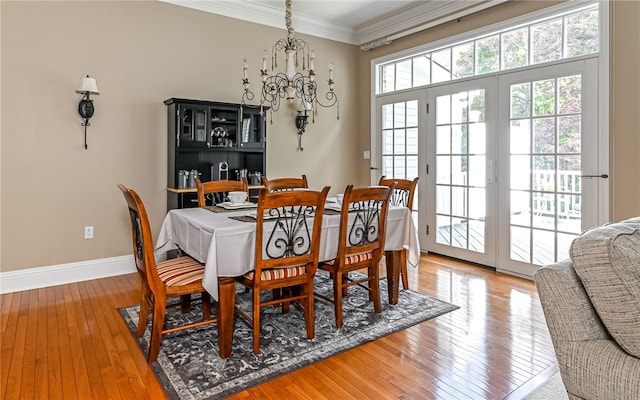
[[224, 241]]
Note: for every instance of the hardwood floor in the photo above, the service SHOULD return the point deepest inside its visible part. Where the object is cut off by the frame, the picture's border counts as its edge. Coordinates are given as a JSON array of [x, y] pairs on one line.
[[69, 342]]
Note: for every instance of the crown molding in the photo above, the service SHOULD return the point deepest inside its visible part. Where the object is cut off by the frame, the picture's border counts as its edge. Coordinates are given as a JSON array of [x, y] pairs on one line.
[[411, 19], [264, 14], [421, 16]]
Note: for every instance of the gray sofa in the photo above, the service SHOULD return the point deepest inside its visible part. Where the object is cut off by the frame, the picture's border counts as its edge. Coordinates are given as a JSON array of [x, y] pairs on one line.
[[592, 307]]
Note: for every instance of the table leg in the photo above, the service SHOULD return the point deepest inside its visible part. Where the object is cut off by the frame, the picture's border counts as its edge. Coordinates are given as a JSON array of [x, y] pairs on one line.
[[393, 260], [225, 310]]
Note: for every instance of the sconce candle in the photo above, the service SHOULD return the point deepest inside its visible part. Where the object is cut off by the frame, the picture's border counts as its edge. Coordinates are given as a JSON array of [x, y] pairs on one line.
[[86, 109]]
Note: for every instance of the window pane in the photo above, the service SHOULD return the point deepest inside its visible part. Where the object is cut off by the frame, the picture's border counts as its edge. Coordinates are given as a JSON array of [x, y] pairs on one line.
[[459, 139], [520, 244], [459, 233], [520, 172], [515, 48], [477, 171], [520, 140], [412, 167], [487, 55], [387, 116], [477, 204], [459, 201], [443, 174], [443, 110], [582, 33], [421, 70], [443, 139], [544, 95], [520, 207], [569, 95], [387, 165], [476, 106], [569, 134], [459, 107], [399, 166], [520, 100], [544, 135], [477, 138], [403, 74], [463, 60], [398, 115], [388, 78], [412, 141], [543, 253], [547, 41], [412, 113], [441, 66], [387, 142], [398, 142], [459, 169]]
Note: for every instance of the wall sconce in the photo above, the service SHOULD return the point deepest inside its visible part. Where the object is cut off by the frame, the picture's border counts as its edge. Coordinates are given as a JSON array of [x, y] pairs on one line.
[[301, 124], [85, 107]]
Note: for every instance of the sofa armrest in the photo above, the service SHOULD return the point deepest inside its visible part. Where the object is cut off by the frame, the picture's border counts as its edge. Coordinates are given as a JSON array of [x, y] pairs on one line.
[[567, 309]]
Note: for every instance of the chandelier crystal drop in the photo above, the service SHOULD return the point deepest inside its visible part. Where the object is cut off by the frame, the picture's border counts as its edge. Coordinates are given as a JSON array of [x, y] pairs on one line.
[[290, 84]]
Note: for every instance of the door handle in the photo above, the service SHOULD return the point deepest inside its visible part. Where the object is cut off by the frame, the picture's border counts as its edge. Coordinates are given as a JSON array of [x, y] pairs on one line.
[[603, 176], [373, 168]]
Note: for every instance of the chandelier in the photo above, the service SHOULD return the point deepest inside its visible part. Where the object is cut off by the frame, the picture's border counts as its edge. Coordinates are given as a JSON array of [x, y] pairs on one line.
[[291, 84]]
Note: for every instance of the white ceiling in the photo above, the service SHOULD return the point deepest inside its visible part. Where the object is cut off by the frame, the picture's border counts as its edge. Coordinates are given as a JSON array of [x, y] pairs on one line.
[[356, 22]]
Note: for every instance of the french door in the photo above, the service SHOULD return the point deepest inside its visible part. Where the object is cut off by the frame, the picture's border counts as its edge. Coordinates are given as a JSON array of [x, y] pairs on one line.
[[461, 186], [551, 176], [510, 166]]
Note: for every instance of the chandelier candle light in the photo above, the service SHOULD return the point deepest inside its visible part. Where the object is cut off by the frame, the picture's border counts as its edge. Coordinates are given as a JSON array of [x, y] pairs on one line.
[[291, 84]]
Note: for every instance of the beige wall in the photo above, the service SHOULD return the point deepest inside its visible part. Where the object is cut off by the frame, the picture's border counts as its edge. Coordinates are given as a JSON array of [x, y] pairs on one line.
[[141, 53], [625, 109], [625, 90]]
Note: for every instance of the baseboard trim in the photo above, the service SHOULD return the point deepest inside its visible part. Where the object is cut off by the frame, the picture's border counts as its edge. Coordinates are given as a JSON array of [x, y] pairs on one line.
[[53, 275]]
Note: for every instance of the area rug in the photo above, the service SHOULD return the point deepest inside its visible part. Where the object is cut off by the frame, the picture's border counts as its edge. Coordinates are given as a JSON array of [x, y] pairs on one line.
[[189, 366]]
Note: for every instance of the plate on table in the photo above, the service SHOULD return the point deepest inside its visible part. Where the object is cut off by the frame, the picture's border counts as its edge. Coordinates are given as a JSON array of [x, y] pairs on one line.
[[266, 215], [227, 205]]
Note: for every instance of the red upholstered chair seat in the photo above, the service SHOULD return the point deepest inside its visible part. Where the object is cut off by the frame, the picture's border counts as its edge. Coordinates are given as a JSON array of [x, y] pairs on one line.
[[278, 273], [180, 271], [354, 258]]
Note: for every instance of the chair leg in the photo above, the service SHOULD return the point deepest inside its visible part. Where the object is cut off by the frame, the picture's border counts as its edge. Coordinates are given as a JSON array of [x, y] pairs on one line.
[[206, 306], [256, 321], [145, 298], [185, 303], [159, 308], [307, 290], [337, 297], [374, 286], [403, 269]]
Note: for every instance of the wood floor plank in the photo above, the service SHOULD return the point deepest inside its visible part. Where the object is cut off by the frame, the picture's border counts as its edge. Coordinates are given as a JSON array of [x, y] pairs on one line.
[[28, 383], [67, 375], [13, 343], [496, 346], [88, 351]]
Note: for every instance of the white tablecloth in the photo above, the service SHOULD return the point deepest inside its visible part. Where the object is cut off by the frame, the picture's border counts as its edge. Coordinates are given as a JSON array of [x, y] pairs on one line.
[[226, 246]]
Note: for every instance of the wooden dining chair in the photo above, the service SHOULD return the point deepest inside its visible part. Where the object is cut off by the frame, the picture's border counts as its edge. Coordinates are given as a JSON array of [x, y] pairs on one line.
[[181, 276], [402, 196], [218, 190], [288, 230], [285, 184], [360, 244]]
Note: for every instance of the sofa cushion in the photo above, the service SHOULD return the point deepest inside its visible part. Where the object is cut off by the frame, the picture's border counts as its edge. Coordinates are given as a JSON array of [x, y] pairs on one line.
[[607, 260]]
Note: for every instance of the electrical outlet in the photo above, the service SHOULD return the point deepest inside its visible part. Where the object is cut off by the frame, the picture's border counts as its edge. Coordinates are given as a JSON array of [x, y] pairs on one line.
[[88, 232]]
